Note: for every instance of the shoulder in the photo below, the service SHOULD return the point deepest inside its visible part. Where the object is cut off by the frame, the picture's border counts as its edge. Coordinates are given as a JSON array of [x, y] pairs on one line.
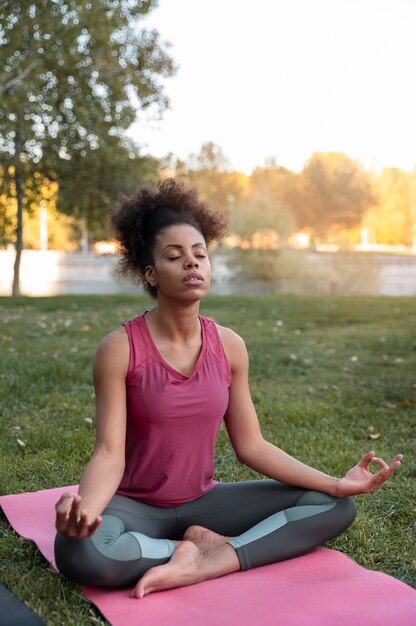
[[234, 347], [113, 352]]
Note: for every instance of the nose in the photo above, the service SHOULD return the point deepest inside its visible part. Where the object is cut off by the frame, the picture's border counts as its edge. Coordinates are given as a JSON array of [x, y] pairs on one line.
[[191, 262]]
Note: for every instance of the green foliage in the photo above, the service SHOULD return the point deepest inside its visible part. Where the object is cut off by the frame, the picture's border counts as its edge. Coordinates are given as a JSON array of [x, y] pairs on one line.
[[8, 198], [90, 191], [326, 374], [74, 72], [73, 76]]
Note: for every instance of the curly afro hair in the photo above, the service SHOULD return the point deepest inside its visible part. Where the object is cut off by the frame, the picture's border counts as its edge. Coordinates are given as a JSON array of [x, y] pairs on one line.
[[138, 220]]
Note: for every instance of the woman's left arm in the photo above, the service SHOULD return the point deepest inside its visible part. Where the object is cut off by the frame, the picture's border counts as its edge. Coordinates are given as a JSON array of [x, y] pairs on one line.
[[252, 450]]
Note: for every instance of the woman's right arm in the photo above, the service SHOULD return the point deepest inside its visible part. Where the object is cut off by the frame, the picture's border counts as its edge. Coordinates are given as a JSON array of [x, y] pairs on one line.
[[78, 516]]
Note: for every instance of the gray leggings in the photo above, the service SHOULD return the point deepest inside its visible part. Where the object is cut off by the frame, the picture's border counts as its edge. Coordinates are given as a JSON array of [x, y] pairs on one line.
[[267, 520]]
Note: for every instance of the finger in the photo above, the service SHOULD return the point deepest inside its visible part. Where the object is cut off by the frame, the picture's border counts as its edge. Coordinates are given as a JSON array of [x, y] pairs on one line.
[[394, 466], [389, 469], [138, 591], [94, 526], [63, 502], [82, 525], [380, 478], [380, 462], [366, 460], [75, 511], [62, 508]]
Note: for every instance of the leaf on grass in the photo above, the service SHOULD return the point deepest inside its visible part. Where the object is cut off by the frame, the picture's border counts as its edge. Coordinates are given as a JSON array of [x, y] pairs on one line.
[[374, 435], [407, 404], [390, 405], [86, 327], [21, 443]]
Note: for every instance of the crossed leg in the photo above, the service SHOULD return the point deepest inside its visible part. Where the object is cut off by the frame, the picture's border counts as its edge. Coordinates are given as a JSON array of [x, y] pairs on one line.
[[234, 526], [300, 522]]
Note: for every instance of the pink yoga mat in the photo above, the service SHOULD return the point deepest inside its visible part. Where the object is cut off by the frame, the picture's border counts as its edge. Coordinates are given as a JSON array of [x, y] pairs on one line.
[[323, 588]]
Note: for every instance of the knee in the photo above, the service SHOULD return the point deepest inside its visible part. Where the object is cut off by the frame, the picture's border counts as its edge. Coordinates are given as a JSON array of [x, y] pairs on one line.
[[70, 558], [79, 561], [340, 512], [347, 511]]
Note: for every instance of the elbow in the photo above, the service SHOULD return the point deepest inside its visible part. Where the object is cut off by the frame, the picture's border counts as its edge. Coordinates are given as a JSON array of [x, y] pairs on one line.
[[243, 456], [250, 453], [114, 462]]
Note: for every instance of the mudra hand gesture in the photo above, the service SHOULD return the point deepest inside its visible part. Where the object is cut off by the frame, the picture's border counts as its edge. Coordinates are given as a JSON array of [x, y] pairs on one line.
[[71, 520], [360, 480]]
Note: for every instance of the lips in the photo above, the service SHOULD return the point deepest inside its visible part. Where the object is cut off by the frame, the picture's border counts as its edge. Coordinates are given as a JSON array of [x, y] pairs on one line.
[[193, 279]]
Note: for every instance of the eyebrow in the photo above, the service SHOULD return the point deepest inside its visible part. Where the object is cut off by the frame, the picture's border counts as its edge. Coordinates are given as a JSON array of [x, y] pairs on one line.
[[178, 245]]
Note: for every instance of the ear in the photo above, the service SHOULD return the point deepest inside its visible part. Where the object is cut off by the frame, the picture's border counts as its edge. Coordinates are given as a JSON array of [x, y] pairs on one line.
[[150, 276]]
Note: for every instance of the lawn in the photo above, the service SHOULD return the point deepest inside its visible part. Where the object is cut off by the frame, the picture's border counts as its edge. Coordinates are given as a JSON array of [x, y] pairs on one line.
[[331, 378]]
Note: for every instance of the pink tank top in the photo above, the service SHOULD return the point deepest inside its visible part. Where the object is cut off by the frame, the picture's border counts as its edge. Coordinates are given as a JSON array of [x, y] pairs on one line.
[[172, 419]]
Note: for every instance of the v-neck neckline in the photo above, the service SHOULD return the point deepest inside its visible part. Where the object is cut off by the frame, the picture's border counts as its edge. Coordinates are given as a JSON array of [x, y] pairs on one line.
[[164, 362]]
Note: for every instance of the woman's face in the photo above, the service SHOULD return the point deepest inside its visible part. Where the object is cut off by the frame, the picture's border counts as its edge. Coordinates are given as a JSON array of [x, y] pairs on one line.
[[181, 267]]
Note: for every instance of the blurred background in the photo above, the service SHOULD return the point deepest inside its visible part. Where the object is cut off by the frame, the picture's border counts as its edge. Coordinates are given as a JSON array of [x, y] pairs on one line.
[[294, 118]]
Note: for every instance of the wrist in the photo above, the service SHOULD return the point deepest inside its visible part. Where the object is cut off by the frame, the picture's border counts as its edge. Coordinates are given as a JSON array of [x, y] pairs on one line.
[[334, 488]]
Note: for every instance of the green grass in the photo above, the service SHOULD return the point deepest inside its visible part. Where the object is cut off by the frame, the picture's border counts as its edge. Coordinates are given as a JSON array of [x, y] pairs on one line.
[[326, 373]]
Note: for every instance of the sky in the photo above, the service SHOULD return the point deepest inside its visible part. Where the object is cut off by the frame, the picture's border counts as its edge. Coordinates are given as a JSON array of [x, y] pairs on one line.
[[287, 78]]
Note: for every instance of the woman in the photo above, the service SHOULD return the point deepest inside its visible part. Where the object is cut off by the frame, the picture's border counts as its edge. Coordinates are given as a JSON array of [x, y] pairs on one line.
[[148, 512]]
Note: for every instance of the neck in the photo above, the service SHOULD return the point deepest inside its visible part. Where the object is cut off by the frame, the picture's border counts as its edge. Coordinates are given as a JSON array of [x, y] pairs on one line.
[[176, 321]]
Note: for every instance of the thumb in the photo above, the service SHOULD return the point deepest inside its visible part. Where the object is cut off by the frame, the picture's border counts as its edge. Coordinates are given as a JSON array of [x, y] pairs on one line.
[[366, 460]]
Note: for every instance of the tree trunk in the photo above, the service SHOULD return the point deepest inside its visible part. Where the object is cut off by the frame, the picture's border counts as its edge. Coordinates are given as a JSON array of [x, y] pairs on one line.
[[18, 177]]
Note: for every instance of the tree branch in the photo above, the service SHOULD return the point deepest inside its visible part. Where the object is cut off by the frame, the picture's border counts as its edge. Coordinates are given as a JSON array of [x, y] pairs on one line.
[[19, 77]]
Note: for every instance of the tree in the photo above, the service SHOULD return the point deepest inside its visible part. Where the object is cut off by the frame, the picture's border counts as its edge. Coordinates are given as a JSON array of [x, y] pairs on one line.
[[336, 193], [392, 219], [263, 213], [73, 75], [281, 189], [89, 184], [210, 172], [32, 192]]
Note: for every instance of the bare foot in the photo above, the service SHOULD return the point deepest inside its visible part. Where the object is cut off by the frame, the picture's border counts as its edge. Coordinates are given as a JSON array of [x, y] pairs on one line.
[[187, 566], [204, 538]]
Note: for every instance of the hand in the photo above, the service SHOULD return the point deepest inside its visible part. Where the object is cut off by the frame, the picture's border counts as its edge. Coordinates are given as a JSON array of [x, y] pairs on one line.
[[360, 480], [71, 520]]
